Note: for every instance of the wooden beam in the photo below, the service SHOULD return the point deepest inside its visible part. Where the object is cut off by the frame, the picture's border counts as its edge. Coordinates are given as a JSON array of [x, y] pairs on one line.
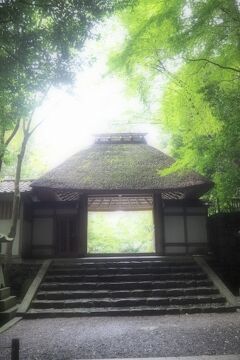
[[185, 228], [83, 224], [2, 280], [158, 219], [124, 203]]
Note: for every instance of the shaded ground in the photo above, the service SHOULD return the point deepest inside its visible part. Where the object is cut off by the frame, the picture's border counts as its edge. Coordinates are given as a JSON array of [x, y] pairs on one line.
[[21, 277], [229, 273], [112, 337]]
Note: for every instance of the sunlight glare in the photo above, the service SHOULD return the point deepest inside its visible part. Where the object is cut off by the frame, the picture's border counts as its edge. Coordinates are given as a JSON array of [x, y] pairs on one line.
[[95, 103]]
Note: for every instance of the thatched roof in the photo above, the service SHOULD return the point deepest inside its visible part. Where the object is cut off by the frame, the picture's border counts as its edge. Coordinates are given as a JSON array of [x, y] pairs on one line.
[[121, 163]]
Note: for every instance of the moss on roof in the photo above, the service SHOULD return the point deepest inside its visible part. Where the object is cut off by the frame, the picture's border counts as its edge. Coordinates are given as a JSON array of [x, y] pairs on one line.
[[119, 167]]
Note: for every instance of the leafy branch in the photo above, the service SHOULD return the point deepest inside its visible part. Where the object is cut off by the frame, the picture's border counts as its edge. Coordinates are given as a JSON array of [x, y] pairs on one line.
[[215, 64]]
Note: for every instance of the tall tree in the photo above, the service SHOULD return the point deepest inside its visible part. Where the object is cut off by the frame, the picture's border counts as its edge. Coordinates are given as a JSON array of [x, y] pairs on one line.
[[39, 43], [195, 46]]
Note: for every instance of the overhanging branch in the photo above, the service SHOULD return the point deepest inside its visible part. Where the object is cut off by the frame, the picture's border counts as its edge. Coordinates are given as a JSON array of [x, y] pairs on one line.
[[13, 133], [216, 64]]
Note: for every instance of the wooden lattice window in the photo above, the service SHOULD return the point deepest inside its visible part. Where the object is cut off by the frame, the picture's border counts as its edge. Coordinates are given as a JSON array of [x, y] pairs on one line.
[[5, 210]]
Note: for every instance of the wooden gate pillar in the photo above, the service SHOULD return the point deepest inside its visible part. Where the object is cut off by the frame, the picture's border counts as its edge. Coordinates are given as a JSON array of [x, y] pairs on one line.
[[82, 224], [158, 219]]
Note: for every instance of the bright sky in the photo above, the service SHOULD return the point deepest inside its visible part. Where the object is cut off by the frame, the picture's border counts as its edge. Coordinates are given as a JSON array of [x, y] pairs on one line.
[[95, 103]]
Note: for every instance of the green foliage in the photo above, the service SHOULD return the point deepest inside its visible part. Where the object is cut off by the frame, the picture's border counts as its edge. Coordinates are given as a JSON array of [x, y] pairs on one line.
[[120, 232], [205, 127], [195, 47], [33, 165], [40, 41]]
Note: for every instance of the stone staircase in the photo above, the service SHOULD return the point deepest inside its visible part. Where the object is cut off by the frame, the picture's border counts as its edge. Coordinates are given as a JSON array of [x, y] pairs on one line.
[[125, 286], [8, 305]]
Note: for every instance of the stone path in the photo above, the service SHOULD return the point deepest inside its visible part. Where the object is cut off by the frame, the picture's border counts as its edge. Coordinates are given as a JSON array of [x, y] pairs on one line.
[[204, 357], [126, 337]]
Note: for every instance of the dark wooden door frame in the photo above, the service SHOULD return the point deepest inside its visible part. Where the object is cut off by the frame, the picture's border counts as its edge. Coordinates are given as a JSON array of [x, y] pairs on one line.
[[56, 240], [82, 227], [158, 219]]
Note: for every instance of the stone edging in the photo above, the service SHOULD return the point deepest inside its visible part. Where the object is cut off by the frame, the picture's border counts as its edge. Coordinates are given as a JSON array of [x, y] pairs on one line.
[[231, 299], [23, 307]]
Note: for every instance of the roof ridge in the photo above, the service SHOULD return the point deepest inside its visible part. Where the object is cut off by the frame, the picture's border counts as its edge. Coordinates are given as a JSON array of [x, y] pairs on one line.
[[121, 138]]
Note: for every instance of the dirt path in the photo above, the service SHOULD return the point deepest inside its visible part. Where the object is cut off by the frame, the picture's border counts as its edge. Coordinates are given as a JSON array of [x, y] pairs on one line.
[[111, 337]]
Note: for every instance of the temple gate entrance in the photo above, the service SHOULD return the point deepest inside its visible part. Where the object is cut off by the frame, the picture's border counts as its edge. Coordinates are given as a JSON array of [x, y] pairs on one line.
[[120, 224]]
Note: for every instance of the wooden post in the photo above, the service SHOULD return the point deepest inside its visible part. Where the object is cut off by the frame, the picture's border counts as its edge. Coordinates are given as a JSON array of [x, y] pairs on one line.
[[158, 219], [15, 349], [185, 229], [83, 223], [2, 280]]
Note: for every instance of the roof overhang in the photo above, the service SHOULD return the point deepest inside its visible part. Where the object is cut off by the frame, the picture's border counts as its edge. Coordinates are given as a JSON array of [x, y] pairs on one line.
[[120, 203]]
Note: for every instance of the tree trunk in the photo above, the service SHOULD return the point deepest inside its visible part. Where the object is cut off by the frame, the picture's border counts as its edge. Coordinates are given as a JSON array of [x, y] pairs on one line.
[[2, 147], [1, 160], [27, 132], [16, 199]]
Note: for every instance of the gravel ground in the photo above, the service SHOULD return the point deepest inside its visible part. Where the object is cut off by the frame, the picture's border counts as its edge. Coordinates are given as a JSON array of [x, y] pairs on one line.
[[111, 337]]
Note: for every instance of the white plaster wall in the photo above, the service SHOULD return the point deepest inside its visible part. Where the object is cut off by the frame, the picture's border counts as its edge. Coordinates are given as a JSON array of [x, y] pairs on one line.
[[197, 228], [196, 221], [174, 229], [4, 229], [42, 231]]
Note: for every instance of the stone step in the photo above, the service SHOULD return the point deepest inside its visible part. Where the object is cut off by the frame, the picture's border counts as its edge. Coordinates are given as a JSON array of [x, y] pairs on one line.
[[125, 263], [131, 302], [76, 294], [124, 270], [129, 311], [4, 293], [125, 277], [135, 263], [8, 314], [7, 303], [90, 287], [127, 285]]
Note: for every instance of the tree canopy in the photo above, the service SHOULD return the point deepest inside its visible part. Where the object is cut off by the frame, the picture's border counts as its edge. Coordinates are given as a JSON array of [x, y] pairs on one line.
[[39, 41], [194, 46]]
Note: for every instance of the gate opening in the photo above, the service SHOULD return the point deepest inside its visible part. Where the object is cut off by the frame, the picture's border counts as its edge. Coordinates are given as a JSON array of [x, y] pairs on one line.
[[120, 232]]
